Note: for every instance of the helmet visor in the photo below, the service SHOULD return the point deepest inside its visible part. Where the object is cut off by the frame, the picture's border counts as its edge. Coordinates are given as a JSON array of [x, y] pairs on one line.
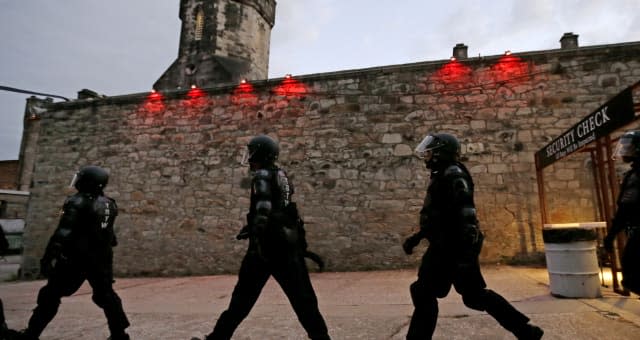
[[423, 150], [246, 155], [624, 148], [74, 180]]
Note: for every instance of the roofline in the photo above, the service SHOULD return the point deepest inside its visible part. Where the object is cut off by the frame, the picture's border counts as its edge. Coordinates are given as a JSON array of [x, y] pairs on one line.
[[269, 82]]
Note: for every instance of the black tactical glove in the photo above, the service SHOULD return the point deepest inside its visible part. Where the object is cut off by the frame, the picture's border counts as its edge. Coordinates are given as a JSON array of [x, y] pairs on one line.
[[472, 238], [243, 234], [260, 225], [608, 242], [51, 256], [410, 243], [46, 266]]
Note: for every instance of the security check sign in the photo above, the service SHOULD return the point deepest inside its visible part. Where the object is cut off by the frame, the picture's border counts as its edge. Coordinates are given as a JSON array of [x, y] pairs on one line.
[[615, 113]]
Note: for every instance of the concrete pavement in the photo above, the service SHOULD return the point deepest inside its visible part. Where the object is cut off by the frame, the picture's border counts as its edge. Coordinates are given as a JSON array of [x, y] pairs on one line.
[[356, 305]]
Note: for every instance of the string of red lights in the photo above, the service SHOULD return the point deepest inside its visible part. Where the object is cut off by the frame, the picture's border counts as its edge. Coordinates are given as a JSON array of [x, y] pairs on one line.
[[509, 68]]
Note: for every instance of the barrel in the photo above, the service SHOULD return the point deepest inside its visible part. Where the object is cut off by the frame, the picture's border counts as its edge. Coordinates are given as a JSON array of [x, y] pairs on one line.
[[572, 261]]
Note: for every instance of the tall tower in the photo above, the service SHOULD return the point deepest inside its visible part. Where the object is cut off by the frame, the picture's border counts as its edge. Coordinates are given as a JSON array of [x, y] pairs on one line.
[[221, 41]]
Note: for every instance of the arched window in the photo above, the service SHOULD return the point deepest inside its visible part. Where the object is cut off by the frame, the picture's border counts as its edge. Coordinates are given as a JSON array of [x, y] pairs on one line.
[[199, 24]]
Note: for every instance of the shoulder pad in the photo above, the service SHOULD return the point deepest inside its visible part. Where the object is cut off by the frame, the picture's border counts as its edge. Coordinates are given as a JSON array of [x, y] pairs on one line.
[[453, 170], [104, 202], [77, 201]]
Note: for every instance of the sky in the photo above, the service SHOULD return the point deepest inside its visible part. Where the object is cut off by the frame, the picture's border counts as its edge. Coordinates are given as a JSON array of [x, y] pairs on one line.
[[120, 47]]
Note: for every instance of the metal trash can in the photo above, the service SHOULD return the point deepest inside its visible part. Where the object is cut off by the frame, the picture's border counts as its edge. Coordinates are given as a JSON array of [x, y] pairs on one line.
[[572, 262]]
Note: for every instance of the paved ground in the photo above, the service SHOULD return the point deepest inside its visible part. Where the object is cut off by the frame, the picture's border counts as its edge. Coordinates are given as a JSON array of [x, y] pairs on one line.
[[359, 305]]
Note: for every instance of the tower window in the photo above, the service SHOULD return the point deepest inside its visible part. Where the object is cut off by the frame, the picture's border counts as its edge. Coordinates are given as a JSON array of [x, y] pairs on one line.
[[199, 24]]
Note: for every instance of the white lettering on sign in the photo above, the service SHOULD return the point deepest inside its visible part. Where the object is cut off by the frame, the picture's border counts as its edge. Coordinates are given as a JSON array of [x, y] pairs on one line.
[[583, 133], [594, 121], [561, 143]]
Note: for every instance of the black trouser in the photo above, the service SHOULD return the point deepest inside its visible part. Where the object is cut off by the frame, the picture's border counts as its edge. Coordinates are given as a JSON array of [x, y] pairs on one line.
[[291, 274], [437, 273], [65, 279], [631, 262]]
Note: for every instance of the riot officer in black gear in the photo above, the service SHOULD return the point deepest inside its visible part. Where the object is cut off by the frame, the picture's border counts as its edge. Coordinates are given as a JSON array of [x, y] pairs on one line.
[[276, 247], [626, 216], [448, 221], [81, 249]]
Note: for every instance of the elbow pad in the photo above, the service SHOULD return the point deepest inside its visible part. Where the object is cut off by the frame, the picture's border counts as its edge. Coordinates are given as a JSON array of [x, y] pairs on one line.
[[263, 208], [468, 215], [462, 191], [261, 184]]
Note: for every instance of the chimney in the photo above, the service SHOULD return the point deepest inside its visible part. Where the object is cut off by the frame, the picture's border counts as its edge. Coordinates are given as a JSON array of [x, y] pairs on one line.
[[568, 41], [460, 51], [88, 94]]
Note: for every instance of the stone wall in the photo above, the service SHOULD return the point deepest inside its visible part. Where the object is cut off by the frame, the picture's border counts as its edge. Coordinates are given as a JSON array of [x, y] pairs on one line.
[[346, 139]]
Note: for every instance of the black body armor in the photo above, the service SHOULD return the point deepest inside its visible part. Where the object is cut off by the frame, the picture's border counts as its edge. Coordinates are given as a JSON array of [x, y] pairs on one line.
[[448, 215]]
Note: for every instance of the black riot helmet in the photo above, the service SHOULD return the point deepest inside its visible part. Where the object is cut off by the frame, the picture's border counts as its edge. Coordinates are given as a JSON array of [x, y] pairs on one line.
[[438, 149], [628, 148], [262, 150], [90, 179]]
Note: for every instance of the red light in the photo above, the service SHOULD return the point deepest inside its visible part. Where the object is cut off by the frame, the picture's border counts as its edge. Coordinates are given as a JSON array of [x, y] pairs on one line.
[[509, 68], [290, 87], [154, 96], [243, 94], [193, 86], [195, 92], [195, 97], [453, 72], [154, 102]]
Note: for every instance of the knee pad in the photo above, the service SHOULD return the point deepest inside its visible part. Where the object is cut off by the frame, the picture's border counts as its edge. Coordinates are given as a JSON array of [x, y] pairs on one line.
[[101, 299], [475, 299], [48, 297], [421, 296], [417, 294]]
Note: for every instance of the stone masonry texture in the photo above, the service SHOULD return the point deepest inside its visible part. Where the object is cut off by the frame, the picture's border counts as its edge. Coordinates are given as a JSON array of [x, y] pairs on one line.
[[346, 140]]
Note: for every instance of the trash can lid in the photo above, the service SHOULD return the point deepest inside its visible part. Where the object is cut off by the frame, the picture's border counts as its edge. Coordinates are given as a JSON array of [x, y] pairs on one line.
[[567, 235], [576, 225]]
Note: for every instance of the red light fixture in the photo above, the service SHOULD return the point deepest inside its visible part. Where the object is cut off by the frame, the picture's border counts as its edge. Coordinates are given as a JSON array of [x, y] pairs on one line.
[[154, 95], [452, 73], [154, 102], [244, 93], [290, 87], [510, 68]]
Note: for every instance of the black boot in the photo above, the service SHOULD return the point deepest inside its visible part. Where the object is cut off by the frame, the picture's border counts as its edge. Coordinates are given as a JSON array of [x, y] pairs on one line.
[[205, 337], [21, 335], [123, 336], [10, 334], [530, 332]]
